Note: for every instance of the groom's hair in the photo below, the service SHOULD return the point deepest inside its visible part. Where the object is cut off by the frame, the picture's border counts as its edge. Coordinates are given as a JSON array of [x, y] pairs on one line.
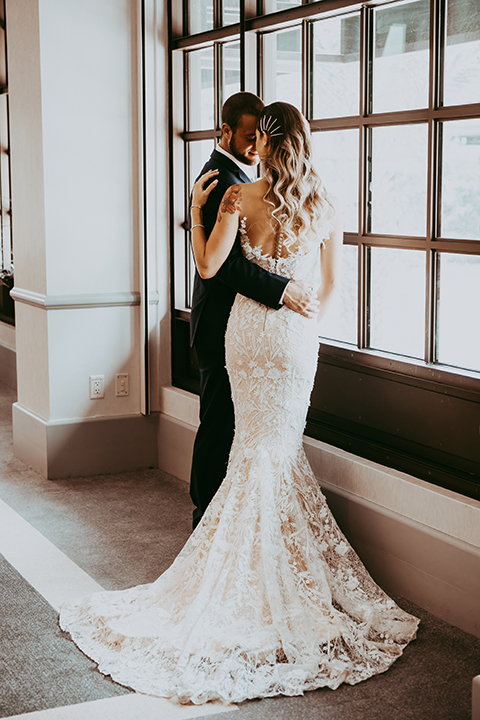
[[242, 103]]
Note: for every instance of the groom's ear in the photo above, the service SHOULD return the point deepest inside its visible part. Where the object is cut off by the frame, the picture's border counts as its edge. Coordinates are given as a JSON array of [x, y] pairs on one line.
[[227, 131]]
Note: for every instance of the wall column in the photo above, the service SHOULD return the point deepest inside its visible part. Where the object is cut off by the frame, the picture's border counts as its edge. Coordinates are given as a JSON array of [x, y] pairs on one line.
[[76, 167]]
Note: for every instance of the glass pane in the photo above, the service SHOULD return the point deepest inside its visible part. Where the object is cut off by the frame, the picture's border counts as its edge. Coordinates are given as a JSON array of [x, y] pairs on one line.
[[198, 154], [200, 89], [270, 6], [397, 301], [400, 66], [336, 161], [336, 67], [399, 180], [230, 70], [340, 320], [462, 53], [200, 15], [458, 335], [460, 216], [282, 67], [231, 12]]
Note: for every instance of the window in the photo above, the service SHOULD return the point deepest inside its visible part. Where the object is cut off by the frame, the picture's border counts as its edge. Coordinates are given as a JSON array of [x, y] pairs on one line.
[[392, 94]]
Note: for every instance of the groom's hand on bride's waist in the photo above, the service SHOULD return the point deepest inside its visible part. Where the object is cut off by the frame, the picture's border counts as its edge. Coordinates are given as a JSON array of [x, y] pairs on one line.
[[300, 297]]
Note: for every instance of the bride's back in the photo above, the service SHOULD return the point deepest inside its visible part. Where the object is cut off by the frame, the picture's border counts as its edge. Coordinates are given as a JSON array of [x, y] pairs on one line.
[[260, 225], [288, 208]]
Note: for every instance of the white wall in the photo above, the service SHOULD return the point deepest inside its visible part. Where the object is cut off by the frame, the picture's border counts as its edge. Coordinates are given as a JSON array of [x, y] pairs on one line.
[[25, 103], [7, 335], [8, 373], [76, 160], [157, 196]]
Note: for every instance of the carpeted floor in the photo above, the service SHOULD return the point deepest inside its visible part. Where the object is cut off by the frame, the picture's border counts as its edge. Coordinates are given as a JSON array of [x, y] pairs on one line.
[[125, 529], [39, 666]]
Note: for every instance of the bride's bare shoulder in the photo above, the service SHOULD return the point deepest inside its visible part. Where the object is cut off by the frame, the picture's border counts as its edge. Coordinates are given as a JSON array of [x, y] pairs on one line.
[[258, 187], [254, 193]]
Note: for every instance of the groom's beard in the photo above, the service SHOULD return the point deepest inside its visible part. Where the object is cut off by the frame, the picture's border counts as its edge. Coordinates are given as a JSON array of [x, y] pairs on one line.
[[241, 158]]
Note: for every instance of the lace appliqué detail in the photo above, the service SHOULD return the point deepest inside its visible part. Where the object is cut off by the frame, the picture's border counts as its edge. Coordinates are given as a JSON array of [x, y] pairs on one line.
[[267, 597], [292, 266]]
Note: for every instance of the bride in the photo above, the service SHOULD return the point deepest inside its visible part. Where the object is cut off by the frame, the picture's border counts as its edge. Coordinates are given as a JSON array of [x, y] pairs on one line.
[[267, 597]]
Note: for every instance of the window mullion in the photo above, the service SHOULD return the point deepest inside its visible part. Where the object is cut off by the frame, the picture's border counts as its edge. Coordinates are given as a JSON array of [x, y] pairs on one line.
[[363, 180], [430, 298], [437, 25], [217, 84], [185, 24], [433, 209], [306, 65], [248, 48], [437, 51], [364, 251]]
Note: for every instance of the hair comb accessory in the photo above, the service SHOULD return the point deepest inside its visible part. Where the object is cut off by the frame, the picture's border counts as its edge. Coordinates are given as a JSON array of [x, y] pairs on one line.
[[270, 125]]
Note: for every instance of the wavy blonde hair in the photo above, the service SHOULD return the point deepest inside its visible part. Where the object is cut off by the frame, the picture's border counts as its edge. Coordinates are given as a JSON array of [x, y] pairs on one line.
[[300, 200]]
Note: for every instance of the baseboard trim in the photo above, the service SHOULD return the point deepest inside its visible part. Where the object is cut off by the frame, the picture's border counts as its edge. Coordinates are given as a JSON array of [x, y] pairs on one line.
[[175, 446], [8, 366], [415, 539], [92, 446], [432, 569]]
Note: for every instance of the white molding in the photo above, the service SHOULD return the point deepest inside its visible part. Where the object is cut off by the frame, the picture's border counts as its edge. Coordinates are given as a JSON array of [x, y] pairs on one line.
[[84, 446], [72, 302], [429, 529], [440, 509], [180, 404]]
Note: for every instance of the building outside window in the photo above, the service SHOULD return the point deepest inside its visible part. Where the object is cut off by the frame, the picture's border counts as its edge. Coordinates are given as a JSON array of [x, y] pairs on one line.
[[392, 93]]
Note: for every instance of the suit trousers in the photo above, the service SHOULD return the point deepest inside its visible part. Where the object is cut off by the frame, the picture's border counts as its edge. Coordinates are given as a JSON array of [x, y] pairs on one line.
[[217, 425]]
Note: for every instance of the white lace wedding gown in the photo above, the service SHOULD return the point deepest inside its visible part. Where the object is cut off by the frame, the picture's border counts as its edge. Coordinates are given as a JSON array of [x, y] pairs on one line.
[[267, 597]]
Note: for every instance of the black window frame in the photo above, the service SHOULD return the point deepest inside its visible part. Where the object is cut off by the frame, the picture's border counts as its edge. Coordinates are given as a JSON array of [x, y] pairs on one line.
[[429, 385]]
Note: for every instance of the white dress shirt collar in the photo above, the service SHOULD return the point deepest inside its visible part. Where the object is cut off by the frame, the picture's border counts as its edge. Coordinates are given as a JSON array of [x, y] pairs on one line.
[[249, 170]]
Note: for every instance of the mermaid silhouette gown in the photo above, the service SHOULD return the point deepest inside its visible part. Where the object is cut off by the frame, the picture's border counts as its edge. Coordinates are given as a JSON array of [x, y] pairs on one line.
[[267, 597]]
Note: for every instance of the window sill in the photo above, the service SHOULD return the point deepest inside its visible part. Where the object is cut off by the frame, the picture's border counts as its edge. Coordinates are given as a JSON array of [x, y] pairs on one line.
[[442, 510]]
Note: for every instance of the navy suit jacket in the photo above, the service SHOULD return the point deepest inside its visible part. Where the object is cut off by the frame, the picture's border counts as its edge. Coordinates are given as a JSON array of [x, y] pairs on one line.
[[213, 298]]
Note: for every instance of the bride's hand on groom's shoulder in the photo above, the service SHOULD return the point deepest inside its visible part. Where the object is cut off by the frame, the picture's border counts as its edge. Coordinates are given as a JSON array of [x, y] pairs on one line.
[[203, 188]]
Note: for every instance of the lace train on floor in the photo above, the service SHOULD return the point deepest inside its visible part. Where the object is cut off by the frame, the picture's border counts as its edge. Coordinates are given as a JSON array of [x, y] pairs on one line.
[[267, 597]]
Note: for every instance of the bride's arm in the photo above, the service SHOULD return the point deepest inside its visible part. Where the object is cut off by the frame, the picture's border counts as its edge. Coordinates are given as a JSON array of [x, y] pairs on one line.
[[210, 256], [330, 263]]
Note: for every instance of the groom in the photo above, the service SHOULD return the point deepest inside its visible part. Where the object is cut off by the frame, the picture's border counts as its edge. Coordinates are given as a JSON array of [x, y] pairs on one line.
[[234, 157]]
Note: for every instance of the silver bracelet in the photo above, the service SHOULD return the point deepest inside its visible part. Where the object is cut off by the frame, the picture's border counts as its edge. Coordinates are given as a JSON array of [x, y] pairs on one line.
[[198, 225], [197, 206]]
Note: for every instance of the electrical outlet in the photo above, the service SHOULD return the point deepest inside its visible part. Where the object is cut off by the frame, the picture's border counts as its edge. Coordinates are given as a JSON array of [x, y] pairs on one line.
[[97, 387], [121, 385]]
